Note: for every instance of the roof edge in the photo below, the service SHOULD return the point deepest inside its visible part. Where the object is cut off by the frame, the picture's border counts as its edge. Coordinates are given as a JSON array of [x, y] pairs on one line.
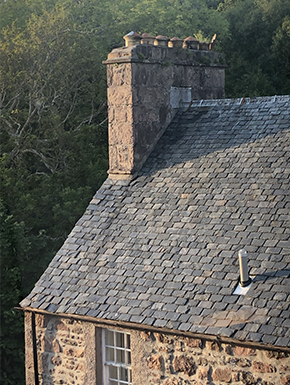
[[163, 330]]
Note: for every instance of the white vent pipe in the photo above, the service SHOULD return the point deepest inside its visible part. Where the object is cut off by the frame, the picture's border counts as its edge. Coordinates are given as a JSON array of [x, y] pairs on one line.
[[245, 280]]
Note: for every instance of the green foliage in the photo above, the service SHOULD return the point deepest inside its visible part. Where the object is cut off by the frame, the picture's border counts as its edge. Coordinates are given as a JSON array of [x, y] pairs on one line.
[[14, 247], [281, 56], [171, 18], [254, 47]]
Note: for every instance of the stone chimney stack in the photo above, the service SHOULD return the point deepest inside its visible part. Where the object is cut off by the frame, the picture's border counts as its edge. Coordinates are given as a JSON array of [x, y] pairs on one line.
[[149, 80]]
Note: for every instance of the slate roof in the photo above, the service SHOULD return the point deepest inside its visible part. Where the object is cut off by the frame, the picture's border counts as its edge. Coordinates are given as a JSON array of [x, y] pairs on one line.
[[162, 250]]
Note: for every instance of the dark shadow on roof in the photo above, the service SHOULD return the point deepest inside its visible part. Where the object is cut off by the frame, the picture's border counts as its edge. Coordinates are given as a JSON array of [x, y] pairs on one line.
[[213, 126]]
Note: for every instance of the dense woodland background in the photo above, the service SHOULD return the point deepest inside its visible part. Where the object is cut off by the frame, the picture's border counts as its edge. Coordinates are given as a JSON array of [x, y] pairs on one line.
[[53, 113]]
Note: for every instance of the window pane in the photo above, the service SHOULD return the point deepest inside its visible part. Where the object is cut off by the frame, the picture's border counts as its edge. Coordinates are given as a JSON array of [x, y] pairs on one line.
[[113, 372], [120, 356], [110, 354], [109, 337], [128, 341], [123, 374], [128, 354], [120, 340]]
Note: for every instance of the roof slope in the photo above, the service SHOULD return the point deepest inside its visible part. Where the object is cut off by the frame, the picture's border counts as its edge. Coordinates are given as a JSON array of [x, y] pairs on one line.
[[162, 250]]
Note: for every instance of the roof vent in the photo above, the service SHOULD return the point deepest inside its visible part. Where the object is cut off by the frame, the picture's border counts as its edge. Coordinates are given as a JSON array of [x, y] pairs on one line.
[[245, 280]]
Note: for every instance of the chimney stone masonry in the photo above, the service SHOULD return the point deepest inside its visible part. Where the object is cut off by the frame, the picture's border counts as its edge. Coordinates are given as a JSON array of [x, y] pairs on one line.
[[147, 85]]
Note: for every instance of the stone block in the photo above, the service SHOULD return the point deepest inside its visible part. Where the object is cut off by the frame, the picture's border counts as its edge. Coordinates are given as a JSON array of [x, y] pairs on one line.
[[165, 75], [172, 381], [145, 75], [179, 77], [242, 351], [149, 95], [192, 77], [90, 354], [59, 325], [193, 342], [56, 360], [235, 376], [140, 74], [213, 345], [121, 158], [157, 53], [119, 75], [222, 374], [29, 360], [146, 336], [29, 377], [163, 338], [262, 367], [122, 95], [41, 320], [71, 352], [121, 134], [285, 380], [28, 331], [278, 355], [148, 114], [184, 364], [203, 373], [124, 114], [155, 362], [111, 114]]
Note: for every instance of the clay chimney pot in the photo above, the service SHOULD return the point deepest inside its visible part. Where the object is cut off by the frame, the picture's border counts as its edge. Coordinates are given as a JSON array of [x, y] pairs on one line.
[[147, 39], [175, 42], [132, 38], [161, 40], [190, 42]]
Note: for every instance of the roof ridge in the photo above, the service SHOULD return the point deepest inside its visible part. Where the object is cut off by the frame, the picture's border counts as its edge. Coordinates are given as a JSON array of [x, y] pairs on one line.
[[238, 101]]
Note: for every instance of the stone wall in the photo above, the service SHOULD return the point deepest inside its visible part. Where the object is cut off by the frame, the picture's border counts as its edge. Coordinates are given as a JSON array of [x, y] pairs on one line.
[[66, 352], [69, 353], [175, 360], [147, 84]]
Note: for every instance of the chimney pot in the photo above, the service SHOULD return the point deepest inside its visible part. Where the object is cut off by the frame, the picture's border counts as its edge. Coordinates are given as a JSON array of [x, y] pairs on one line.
[[190, 42], [175, 42], [161, 40], [147, 39], [132, 38]]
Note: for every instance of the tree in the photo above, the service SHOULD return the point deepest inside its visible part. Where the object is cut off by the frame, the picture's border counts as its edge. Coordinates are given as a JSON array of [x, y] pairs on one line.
[[249, 50], [281, 56], [48, 88], [14, 247]]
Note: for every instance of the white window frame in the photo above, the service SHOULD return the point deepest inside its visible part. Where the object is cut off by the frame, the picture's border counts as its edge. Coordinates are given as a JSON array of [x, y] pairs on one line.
[[125, 365]]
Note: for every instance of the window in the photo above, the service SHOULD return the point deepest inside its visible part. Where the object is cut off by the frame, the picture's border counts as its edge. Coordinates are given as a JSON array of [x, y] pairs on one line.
[[117, 358]]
